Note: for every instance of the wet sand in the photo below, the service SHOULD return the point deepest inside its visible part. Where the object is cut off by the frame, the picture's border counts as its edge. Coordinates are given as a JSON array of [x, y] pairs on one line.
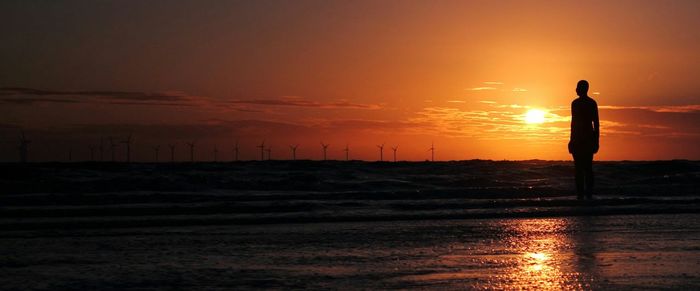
[[599, 252], [348, 225]]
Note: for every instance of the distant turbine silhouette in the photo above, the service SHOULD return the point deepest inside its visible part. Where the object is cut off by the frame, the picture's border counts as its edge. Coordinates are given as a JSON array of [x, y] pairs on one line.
[[92, 152], [432, 150], [191, 145], [294, 151], [347, 152], [235, 151], [112, 148], [157, 150], [262, 150], [394, 149], [172, 152], [325, 150], [216, 154], [102, 149], [381, 152], [70, 154], [269, 153], [23, 147], [128, 148]]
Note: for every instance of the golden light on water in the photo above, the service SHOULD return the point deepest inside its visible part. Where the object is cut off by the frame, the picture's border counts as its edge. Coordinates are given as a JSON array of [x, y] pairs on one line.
[[534, 116], [540, 257]]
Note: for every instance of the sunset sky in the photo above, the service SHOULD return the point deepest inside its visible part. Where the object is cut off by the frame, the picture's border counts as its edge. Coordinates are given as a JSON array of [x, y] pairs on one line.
[[459, 74]]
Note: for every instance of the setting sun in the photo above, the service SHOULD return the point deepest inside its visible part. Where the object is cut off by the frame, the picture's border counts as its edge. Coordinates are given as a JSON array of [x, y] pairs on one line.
[[534, 116]]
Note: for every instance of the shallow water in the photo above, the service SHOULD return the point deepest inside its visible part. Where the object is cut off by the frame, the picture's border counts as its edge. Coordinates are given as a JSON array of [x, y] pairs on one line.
[[348, 225], [122, 195], [600, 252]]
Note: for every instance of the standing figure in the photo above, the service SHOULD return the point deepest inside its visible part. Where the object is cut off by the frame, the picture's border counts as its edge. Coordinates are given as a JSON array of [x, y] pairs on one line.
[[584, 141]]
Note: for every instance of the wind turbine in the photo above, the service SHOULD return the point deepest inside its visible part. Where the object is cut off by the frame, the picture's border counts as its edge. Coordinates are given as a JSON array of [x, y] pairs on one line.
[[432, 150], [394, 149], [92, 153], [325, 149], [347, 152], [70, 154], [172, 152], [102, 149], [216, 154], [381, 152], [191, 145], [294, 151], [23, 147], [128, 148], [112, 148], [262, 150], [235, 151], [156, 149], [269, 153]]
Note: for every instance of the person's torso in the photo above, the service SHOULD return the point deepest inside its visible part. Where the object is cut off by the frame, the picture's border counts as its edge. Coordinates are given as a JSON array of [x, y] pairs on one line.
[[583, 112]]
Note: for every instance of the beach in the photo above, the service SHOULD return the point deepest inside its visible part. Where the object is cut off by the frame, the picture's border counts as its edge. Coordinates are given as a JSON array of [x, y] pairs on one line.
[[286, 225], [601, 252]]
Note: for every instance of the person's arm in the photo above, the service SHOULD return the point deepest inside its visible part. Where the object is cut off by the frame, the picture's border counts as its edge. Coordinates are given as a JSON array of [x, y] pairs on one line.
[[571, 133], [596, 128]]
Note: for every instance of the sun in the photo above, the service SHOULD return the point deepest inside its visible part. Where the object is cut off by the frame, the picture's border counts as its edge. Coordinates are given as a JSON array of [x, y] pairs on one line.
[[534, 116]]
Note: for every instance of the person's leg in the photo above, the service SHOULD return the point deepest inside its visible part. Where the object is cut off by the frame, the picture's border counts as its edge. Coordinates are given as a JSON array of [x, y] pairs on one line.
[[578, 164], [589, 176]]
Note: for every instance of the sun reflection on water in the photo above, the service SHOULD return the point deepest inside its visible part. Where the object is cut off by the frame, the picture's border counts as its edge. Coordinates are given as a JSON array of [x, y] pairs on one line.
[[541, 254], [539, 248]]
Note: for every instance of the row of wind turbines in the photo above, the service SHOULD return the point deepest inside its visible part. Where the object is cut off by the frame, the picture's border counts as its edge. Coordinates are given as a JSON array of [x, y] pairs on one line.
[[324, 146], [97, 152]]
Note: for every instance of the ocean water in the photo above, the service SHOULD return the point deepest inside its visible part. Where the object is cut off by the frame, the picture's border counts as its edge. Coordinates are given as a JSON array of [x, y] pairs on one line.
[[348, 225], [85, 195], [619, 252]]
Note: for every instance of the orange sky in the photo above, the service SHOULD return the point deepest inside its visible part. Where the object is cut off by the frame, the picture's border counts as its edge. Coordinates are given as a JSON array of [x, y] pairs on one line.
[[460, 74]]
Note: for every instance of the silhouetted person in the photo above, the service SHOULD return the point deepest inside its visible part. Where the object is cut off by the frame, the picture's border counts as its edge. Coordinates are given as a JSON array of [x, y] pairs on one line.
[[584, 141]]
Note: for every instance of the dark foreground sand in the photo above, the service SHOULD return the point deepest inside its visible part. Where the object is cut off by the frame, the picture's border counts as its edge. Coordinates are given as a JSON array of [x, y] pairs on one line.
[[602, 252], [348, 225]]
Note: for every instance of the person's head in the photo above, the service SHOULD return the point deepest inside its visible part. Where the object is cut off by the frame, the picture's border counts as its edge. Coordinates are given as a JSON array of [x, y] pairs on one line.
[[582, 88]]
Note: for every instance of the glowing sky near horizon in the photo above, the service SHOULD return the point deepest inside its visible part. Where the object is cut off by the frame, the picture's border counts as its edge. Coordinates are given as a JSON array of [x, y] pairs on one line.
[[460, 74]]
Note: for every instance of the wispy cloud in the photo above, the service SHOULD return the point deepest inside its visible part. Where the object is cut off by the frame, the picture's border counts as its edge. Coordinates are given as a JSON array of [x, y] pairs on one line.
[[519, 90], [493, 83], [28, 96], [456, 101], [498, 122], [660, 108], [371, 126], [515, 106], [301, 102], [481, 89]]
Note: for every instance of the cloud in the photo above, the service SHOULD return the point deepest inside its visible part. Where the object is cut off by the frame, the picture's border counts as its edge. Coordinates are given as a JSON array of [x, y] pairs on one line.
[[373, 126], [515, 106], [661, 108], [28, 96], [519, 90], [493, 83], [482, 88], [495, 123], [672, 121], [455, 101], [300, 102], [487, 102], [199, 130], [210, 130]]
